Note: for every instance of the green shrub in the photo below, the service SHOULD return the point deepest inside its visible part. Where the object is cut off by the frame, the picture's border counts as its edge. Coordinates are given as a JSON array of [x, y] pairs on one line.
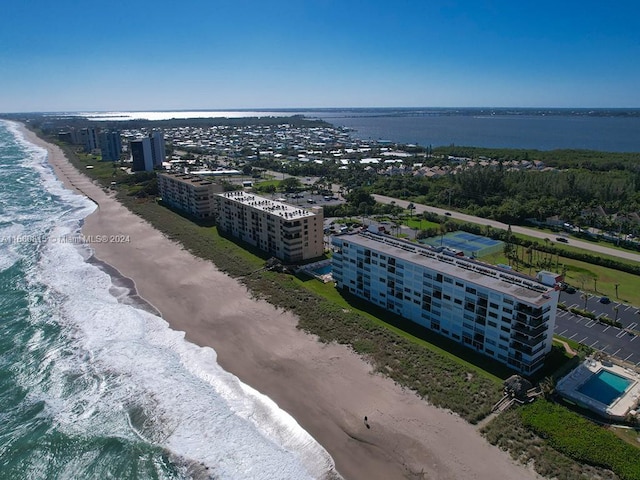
[[582, 440]]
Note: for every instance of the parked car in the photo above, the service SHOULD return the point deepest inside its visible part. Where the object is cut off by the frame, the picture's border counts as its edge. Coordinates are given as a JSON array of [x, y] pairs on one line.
[[570, 289], [447, 214], [562, 239], [604, 300]]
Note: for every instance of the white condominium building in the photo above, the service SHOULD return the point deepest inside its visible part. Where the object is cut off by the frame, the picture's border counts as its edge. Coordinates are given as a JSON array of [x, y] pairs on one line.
[[290, 233], [189, 193], [505, 315]]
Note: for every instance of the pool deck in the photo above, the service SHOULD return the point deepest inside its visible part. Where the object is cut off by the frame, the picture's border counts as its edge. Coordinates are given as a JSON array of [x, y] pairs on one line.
[[323, 277], [619, 407]]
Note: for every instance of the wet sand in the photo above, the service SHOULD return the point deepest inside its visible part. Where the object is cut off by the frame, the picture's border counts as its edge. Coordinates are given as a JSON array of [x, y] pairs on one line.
[[327, 388]]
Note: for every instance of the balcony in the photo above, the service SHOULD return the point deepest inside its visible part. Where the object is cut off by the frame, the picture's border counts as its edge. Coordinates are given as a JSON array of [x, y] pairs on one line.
[[525, 340], [523, 328], [531, 322]]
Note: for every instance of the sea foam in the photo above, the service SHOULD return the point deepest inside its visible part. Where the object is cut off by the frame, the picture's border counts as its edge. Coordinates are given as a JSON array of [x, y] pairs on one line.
[[123, 372]]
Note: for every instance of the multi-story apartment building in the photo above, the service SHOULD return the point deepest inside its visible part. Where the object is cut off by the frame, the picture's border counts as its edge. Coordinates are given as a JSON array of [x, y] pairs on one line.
[[110, 145], [148, 153], [89, 139], [189, 193], [290, 233], [505, 315], [158, 151], [141, 155]]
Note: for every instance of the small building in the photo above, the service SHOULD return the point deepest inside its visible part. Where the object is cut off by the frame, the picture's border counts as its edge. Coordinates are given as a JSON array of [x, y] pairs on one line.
[[549, 279]]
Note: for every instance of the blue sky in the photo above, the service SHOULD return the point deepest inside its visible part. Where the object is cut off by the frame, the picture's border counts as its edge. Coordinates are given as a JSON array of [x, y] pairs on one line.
[[143, 55]]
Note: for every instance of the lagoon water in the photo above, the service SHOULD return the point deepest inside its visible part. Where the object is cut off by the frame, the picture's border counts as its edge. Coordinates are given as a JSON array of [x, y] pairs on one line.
[[611, 130], [553, 129], [91, 386]]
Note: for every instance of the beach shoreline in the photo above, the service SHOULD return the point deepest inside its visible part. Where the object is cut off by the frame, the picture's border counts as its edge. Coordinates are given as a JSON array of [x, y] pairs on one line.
[[328, 389]]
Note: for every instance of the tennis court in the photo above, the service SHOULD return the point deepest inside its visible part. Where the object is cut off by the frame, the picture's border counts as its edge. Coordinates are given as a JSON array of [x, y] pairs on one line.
[[472, 245]]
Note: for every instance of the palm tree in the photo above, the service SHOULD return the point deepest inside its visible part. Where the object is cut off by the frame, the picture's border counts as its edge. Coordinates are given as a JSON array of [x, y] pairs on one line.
[[411, 207], [586, 297]]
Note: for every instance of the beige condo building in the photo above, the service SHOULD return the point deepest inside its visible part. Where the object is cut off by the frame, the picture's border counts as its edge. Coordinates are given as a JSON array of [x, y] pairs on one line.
[[189, 193], [290, 233]]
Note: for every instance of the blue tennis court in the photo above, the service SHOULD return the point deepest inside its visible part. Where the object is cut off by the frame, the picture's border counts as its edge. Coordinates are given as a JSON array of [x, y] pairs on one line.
[[472, 245]]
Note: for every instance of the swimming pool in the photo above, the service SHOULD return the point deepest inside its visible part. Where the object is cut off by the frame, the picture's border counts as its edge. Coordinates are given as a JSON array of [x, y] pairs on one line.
[[322, 270], [604, 386]]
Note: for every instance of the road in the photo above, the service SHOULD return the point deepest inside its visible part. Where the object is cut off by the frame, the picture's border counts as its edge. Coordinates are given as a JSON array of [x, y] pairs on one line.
[[514, 228]]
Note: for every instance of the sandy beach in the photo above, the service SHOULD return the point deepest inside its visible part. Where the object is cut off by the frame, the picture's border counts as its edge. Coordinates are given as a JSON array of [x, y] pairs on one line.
[[327, 388]]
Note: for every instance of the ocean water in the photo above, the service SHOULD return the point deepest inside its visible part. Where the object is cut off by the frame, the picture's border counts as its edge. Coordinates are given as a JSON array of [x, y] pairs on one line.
[[93, 385]]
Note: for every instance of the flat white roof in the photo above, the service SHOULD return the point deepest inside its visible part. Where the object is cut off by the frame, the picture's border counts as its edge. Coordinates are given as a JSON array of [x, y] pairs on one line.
[[525, 288], [274, 207]]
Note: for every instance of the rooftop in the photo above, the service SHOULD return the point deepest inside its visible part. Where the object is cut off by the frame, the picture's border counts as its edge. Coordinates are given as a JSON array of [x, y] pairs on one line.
[[507, 282], [273, 207], [187, 178]]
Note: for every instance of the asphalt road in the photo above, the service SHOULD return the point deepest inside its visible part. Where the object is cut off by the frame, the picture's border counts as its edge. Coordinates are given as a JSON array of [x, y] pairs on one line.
[[516, 229]]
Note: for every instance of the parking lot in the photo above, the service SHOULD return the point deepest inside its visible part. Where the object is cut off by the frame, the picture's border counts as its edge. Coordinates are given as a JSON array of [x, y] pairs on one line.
[[618, 342]]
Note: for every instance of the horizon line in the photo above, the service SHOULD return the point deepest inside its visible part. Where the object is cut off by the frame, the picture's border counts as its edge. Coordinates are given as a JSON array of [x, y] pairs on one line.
[[291, 109]]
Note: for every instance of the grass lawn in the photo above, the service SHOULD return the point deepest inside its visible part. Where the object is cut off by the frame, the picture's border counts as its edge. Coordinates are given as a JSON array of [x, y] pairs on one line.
[[582, 275]]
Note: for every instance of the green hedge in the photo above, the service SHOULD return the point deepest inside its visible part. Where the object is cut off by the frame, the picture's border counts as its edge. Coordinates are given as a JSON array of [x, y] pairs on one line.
[[581, 439]]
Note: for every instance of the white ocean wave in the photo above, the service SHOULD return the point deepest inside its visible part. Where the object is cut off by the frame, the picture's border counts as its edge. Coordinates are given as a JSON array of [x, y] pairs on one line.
[[123, 372]]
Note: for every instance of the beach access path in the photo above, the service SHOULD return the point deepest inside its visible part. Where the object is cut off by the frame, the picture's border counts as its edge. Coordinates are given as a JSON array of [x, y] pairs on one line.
[[328, 389]]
